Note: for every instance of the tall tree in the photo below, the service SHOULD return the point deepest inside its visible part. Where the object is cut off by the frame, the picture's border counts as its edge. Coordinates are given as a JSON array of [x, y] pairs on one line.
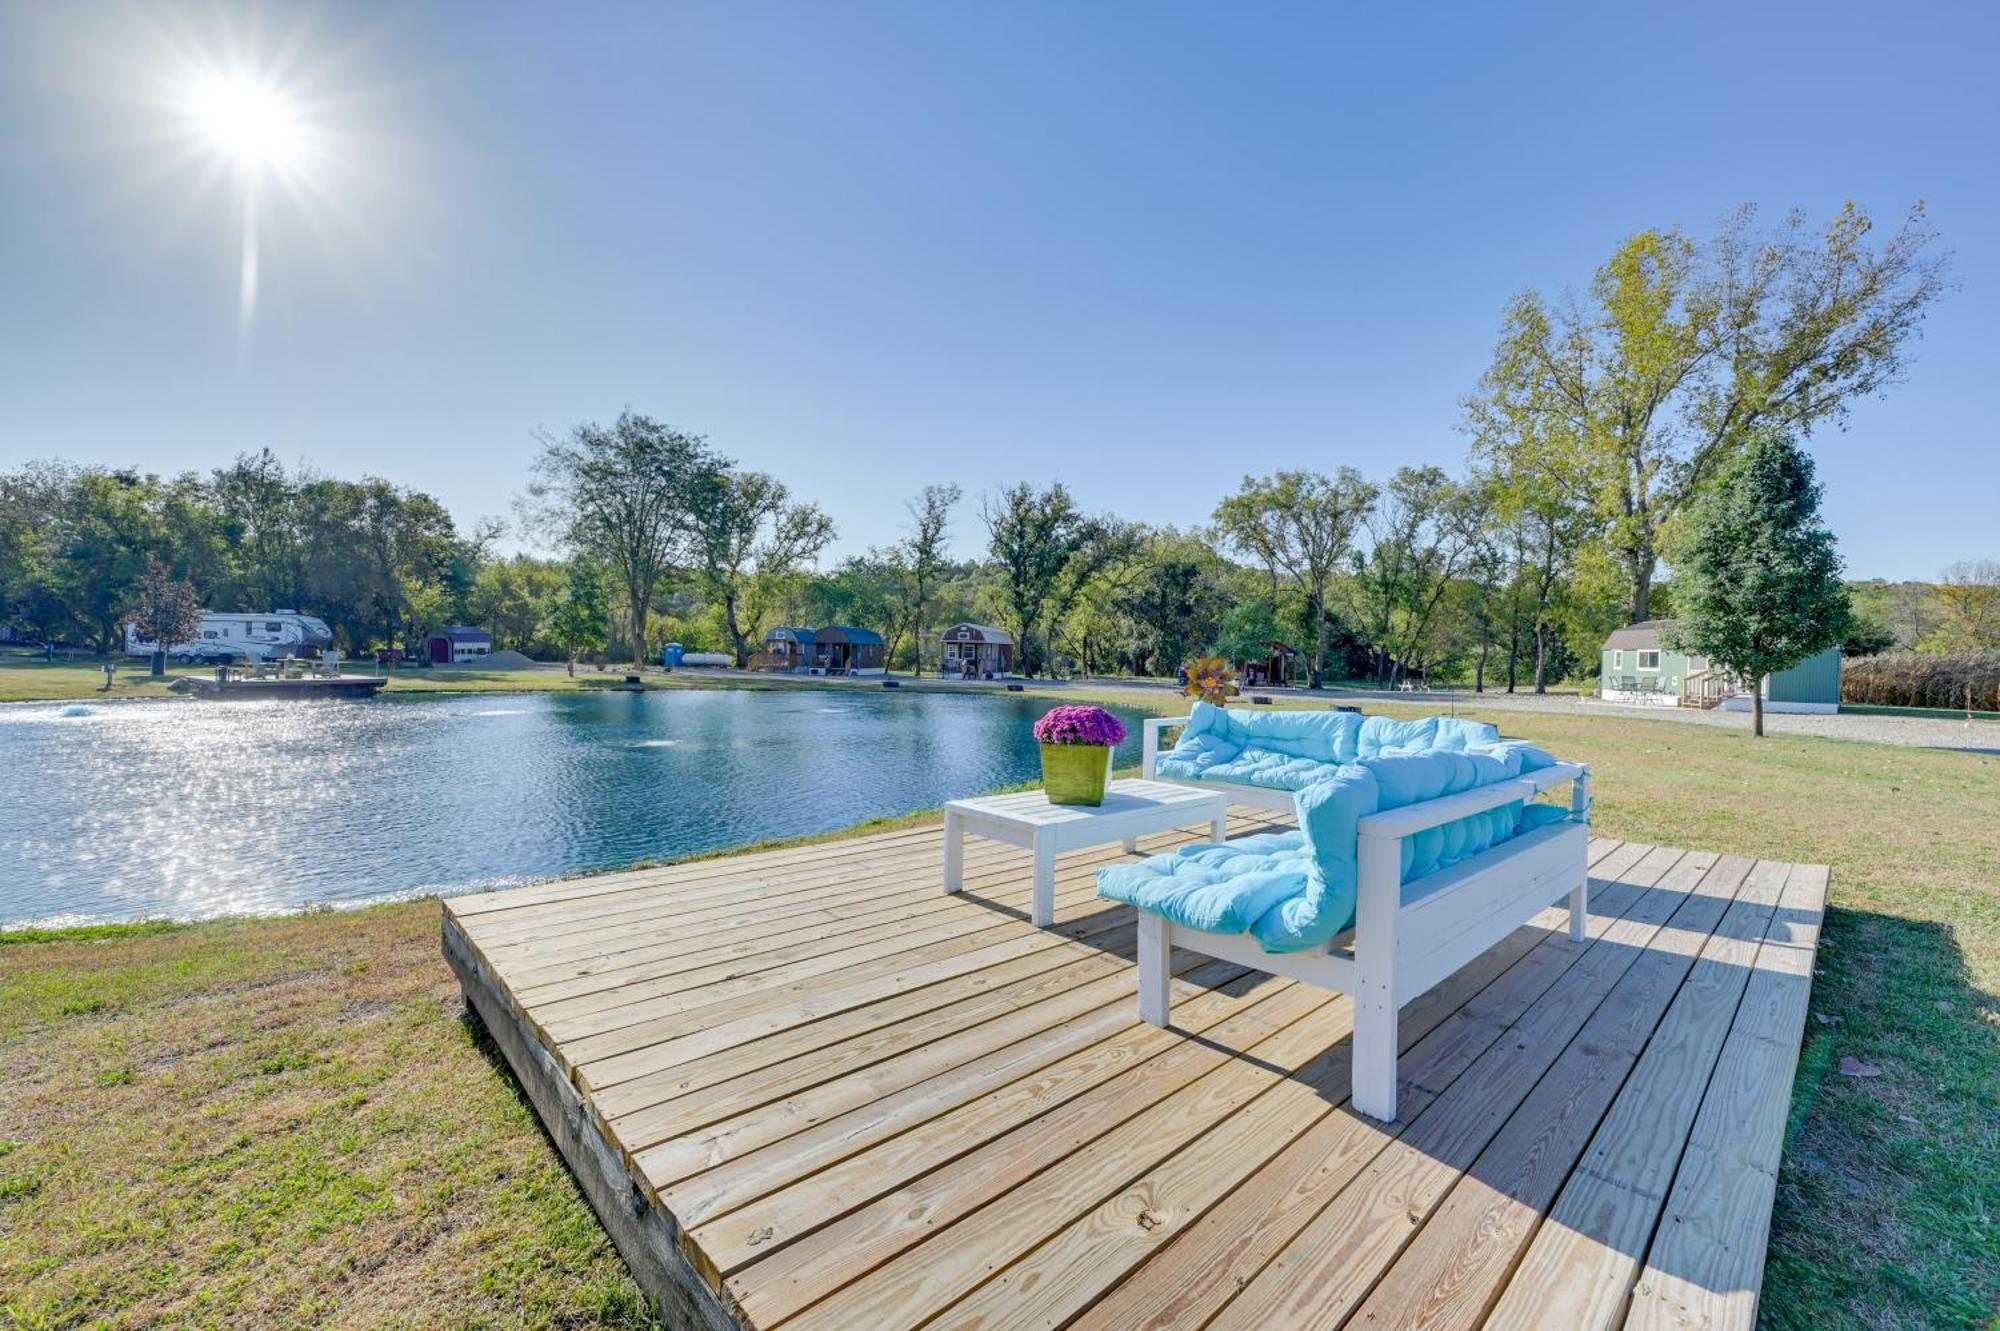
[[1302, 522], [167, 612], [922, 559], [625, 496], [749, 536], [1629, 403], [1758, 587], [580, 619], [1031, 535]]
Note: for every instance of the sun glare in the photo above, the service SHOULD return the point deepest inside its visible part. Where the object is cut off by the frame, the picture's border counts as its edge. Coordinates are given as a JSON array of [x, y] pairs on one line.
[[253, 126]]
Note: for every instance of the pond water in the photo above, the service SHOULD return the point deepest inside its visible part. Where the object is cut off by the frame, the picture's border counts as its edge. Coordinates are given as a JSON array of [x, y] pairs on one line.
[[187, 809]]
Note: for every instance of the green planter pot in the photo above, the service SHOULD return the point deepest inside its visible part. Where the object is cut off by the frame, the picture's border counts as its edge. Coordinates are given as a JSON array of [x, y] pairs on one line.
[[1075, 773]]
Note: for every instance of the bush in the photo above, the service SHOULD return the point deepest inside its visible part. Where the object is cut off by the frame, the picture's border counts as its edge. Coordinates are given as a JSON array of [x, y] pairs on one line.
[[1923, 679]]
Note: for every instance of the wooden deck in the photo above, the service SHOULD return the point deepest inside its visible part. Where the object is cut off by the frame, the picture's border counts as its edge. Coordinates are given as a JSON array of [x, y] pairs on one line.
[[806, 1089]]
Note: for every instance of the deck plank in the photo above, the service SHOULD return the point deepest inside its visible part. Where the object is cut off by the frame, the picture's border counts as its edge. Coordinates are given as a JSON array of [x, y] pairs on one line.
[[889, 1105], [1706, 1265]]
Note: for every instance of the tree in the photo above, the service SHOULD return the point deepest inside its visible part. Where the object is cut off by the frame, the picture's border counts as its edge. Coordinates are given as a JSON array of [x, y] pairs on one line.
[[1303, 523], [1627, 406], [1248, 631], [167, 612], [1176, 599], [580, 620], [1968, 597], [1031, 536], [625, 497], [922, 559], [749, 536], [104, 536], [1758, 586], [1421, 531]]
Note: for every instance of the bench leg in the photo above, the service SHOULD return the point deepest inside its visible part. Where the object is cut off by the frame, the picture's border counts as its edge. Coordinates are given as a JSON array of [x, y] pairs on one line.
[[1154, 981], [1579, 910], [1377, 920], [1045, 882], [954, 851], [1375, 1058]]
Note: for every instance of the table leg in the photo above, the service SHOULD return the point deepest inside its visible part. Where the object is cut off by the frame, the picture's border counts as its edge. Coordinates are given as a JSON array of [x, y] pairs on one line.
[[954, 851], [1131, 845], [1045, 882], [1219, 824]]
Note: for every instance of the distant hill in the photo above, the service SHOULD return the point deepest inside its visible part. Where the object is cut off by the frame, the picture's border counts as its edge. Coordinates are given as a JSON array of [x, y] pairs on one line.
[[1906, 612]]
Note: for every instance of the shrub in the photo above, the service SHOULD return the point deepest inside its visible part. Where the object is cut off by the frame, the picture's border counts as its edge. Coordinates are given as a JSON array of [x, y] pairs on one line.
[[1924, 679]]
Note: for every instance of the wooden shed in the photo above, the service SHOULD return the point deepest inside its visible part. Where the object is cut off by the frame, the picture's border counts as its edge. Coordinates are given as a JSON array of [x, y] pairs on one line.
[[457, 645], [787, 649], [977, 651], [842, 649]]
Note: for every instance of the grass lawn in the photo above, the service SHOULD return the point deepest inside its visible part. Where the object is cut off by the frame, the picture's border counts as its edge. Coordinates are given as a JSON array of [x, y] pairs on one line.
[[288, 1122], [25, 679]]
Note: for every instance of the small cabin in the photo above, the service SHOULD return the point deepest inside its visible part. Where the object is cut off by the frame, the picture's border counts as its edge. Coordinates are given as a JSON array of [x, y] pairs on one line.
[[843, 649], [457, 644], [1273, 669], [787, 649], [1640, 667], [839, 649], [977, 651]]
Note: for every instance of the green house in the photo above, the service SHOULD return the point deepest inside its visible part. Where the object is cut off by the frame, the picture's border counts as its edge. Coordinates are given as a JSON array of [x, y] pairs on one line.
[[1639, 667]]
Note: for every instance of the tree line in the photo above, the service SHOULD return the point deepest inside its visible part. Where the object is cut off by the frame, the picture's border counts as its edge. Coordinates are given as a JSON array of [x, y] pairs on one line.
[[1604, 420]]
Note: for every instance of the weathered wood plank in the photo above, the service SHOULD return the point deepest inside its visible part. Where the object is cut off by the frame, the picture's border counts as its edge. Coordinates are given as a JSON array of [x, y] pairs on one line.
[[1706, 1266], [1580, 1266], [1454, 1267], [1229, 1245], [1335, 1260], [1084, 1193]]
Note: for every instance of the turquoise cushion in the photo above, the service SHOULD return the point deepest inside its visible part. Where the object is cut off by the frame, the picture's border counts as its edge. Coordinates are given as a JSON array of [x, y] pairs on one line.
[[1296, 890], [1215, 888]]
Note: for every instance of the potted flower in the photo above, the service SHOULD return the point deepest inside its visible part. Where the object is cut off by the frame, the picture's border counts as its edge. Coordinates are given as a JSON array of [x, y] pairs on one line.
[[1076, 752]]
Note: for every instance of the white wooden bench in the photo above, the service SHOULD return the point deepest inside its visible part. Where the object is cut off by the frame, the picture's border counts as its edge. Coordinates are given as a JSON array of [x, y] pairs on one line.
[[1408, 936]]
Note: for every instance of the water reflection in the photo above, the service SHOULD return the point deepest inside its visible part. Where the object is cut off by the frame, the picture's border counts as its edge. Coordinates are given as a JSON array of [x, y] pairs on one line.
[[190, 810]]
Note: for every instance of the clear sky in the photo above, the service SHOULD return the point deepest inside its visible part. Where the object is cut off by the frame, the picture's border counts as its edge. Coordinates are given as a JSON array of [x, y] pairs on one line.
[[1140, 248]]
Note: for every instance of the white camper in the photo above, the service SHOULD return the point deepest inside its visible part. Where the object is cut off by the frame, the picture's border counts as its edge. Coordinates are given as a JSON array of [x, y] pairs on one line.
[[243, 636]]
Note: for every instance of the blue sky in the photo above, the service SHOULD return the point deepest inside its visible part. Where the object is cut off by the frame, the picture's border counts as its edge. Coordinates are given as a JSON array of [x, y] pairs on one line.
[[1141, 249]]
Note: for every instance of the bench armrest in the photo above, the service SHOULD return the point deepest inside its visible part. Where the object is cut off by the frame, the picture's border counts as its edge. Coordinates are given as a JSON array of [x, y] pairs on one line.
[[1149, 751]]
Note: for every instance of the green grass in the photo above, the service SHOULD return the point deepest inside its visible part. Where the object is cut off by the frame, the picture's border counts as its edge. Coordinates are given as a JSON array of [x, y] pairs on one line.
[[30, 679], [288, 1122]]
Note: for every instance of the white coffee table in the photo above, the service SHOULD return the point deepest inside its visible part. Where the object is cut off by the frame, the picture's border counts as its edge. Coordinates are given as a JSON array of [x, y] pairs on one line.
[[1131, 809]]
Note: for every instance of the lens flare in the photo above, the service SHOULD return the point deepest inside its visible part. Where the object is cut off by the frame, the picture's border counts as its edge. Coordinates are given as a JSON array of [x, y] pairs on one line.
[[251, 125]]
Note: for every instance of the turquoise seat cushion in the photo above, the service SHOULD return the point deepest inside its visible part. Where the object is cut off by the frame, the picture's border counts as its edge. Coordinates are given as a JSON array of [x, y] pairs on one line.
[[1215, 888]]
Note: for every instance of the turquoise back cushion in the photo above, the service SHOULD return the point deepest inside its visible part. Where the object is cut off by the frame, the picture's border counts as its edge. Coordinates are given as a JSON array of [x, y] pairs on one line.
[[1214, 735]]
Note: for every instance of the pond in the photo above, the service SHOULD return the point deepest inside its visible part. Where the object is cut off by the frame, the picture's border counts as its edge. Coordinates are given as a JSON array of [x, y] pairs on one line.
[[187, 810]]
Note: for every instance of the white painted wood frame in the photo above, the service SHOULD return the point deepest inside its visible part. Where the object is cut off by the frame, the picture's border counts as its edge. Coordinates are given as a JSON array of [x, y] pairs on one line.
[[1131, 809], [1408, 937]]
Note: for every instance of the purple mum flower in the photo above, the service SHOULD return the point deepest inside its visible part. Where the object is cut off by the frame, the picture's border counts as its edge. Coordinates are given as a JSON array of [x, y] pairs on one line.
[[1079, 725]]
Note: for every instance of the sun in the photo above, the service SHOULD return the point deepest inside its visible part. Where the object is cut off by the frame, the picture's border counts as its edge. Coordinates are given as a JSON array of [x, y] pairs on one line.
[[253, 126]]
